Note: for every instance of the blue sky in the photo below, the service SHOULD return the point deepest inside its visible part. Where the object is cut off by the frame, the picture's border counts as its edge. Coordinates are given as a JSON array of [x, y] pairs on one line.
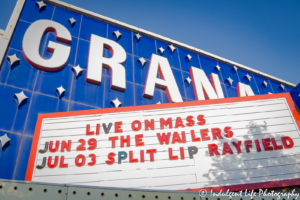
[[263, 35]]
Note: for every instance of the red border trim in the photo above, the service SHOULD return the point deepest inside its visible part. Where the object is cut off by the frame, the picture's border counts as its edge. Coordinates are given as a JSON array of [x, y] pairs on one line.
[[271, 184]]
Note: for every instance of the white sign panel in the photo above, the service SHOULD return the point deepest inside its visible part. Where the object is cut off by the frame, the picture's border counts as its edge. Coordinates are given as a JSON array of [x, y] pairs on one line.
[[237, 143]]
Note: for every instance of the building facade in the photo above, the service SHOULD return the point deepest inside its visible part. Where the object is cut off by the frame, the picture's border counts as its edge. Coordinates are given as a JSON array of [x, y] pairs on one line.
[[101, 63]]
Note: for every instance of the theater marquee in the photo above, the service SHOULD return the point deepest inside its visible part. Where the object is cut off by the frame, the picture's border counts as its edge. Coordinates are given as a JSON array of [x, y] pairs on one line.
[[89, 100], [237, 143]]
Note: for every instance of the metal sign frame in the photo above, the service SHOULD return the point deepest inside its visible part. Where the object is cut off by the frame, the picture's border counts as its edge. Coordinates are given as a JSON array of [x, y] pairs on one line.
[[269, 184]]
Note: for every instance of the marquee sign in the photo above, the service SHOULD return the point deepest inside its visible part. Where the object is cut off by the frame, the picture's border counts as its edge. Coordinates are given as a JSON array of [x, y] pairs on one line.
[[57, 58], [237, 143]]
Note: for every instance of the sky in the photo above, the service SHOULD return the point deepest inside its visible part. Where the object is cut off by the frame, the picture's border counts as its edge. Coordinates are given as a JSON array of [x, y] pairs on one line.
[[263, 35]]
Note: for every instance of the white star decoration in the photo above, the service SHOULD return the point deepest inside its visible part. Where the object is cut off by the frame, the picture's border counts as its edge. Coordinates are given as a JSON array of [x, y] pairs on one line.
[[116, 102], [21, 97], [158, 102], [138, 36], [13, 60], [229, 80], [235, 68], [118, 34], [4, 139], [189, 57], [60, 90], [248, 77], [172, 47], [72, 21], [78, 70], [218, 67], [41, 5], [265, 83], [142, 61], [188, 80], [161, 50], [282, 86]]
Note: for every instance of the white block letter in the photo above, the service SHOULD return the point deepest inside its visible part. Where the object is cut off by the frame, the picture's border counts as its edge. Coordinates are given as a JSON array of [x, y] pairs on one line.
[[244, 90], [161, 64], [114, 64], [32, 40], [202, 86]]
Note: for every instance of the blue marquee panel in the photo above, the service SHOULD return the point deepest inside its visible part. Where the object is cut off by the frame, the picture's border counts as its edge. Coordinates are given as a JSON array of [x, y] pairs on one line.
[[40, 87]]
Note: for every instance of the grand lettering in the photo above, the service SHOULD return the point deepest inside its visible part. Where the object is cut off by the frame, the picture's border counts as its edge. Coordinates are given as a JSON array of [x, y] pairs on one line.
[[203, 89]]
